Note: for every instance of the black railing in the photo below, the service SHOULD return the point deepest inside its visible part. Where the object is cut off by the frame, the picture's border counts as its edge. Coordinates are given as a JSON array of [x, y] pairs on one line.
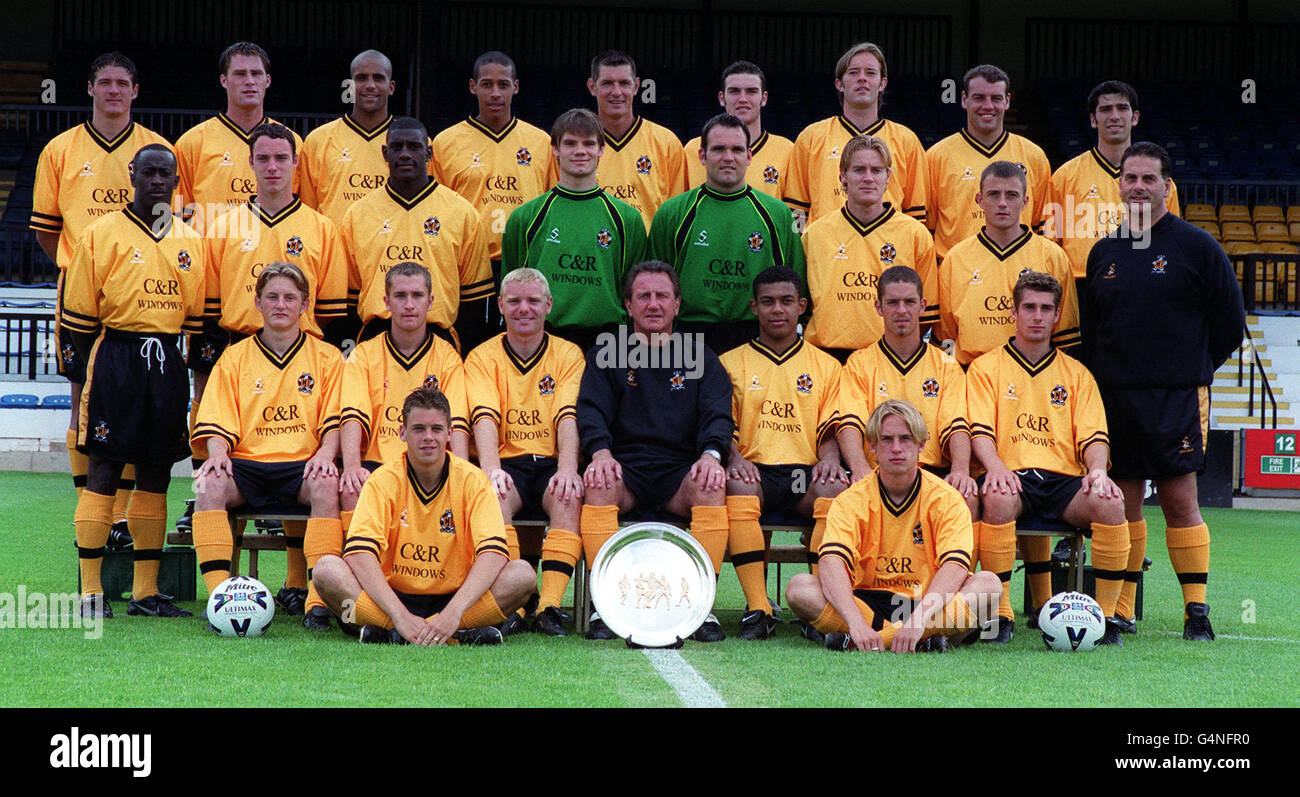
[[1270, 282], [29, 343], [1265, 389]]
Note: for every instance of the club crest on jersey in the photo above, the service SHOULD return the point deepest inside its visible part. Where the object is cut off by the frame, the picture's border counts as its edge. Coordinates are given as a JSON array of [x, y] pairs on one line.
[[753, 383], [1011, 392], [86, 171], [306, 382], [226, 160], [677, 381], [1059, 395], [1186, 447], [69, 354], [975, 277], [432, 225], [604, 238], [207, 352], [258, 386], [1158, 265], [293, 247], [887, 254], [930, 388], [804, 383], [631, 378], [702, 240], [447, 523], [755, 241], [523, 157], [771, 175], [431, 381], [101, 432], [917, 537], [345, 156], [643, 165], [1110, 272], [183, 260], [546, 386]]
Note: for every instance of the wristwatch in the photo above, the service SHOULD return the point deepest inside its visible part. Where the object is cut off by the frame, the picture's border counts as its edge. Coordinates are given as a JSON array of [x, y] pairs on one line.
[[713, 452]]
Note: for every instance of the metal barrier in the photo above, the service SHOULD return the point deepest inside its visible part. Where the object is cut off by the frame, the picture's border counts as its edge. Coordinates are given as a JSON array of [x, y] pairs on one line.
[[1270, 282], [29, 343]]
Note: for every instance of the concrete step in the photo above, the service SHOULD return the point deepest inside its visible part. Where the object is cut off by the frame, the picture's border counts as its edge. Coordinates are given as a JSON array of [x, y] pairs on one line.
[[1241, 404], [1248, 422]]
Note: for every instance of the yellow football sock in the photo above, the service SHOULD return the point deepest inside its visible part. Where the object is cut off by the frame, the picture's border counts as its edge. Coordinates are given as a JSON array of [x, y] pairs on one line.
[[148, 521], [1189, 552], [998, 555], [1137, 551], [748, 550], [214, 545], [709, 528], [324, 535], [597, 525], [485, 611], [367, 612], [560, 553], [1109, 557], [93, 519]]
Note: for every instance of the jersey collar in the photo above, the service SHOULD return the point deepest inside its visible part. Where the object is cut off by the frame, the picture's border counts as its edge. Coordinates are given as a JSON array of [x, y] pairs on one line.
[[618, 143], [578, 195], [426, 496], [715, 194], [420, 196], [866, 229], [778, 358], [898, 509], [521, 365], [1106, 166], [987, 152], [903, 366], [1011, 248], [1033, 369], [280, 362], [487, 131], [854, 131], [758, 143], [107, 144], [408, 363], [236, 129], [272, 220], [144, 225], [368, 135]]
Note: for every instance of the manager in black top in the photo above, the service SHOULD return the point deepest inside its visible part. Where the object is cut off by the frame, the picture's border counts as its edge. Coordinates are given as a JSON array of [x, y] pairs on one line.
[[1163, 312], [654, 416]]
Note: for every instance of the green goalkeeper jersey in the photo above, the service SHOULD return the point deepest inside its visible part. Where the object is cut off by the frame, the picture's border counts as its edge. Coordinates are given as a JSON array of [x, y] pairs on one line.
[[584, 242], [718, 243]]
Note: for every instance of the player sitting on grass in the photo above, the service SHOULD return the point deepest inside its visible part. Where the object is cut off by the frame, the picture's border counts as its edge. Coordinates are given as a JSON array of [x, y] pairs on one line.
[[1038, 427], [425, 561], [269, 420], [784, 457], [525, 387], [895, 562]]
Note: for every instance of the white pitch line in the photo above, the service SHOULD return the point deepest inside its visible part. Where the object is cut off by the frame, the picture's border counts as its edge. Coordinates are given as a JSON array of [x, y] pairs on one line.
[[1244, 638], [690, 686]]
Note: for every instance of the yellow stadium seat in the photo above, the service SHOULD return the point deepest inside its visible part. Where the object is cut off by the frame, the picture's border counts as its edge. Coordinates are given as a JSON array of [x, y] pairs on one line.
[[1242, 248], [1267, 213], [1209, 226], [1293, 214], [1238, 231], [1276, 248], [1294, 228], [1271, 232], [1201, 213], [1233, 213]]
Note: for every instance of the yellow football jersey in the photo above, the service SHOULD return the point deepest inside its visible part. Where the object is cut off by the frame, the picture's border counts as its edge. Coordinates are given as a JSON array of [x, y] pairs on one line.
[[1085, 205], [526, 399], [898, 547], [954, 166], [269, 407], [1040, 415], [770, 157], [929, 380], [784, 404], [426, 540], [341, 162], [814, 173], [496, 172], [122, 276], [212, 160], [845, 261], [643, 168], [436, 228], [82, 177], [242, 241], [976, 280], [377, 379]]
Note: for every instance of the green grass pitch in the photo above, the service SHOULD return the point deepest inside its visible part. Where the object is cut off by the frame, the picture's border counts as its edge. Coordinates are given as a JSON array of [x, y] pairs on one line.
[[148, 662]]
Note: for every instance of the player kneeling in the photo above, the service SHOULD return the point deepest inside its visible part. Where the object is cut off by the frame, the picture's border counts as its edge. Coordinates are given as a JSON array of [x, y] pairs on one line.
[[270, 421], [425, 560], [894, 569]]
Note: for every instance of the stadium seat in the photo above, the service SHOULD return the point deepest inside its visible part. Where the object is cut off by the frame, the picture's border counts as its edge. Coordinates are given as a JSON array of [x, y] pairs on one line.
[[1293, 214], [1209, 226], [18, 400], [1279, 248], [1233, 213], [1294, 228], [1199, 212], [1238, 231], [1271, 232], [1267, 213], [57, 401], [1242, 248]]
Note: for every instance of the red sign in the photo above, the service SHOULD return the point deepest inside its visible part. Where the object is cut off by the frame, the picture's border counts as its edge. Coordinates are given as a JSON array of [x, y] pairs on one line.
[[1271, 459]]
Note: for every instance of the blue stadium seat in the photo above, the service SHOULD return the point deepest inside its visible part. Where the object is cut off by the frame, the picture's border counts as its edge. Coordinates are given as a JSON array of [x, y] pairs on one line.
[[57, 402], [19, 400]]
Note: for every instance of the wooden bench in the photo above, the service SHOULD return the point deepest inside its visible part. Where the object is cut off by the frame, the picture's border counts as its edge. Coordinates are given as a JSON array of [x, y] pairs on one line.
[[253, 543]]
